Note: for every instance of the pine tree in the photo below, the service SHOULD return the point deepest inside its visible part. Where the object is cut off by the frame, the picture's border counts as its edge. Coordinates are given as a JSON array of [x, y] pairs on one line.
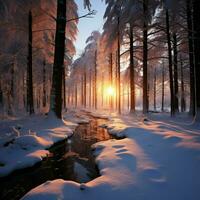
[[56, 91]]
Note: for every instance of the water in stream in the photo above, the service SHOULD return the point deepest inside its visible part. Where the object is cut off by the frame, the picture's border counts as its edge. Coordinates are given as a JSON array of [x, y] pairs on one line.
[[69, 160]]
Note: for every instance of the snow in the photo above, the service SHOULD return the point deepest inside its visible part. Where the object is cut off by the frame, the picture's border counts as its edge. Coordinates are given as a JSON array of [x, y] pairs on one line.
[[158, 159], [24, 142]]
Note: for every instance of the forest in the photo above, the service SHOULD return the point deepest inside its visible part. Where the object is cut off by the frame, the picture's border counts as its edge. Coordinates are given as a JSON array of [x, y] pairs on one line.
[[118, 118]]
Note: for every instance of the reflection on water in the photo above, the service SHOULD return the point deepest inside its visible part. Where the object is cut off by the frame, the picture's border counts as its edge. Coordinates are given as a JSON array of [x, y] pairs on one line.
[[69, 160]]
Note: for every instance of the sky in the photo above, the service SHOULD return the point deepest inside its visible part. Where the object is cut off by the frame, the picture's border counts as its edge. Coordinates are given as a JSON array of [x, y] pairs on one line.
[[87, 25]]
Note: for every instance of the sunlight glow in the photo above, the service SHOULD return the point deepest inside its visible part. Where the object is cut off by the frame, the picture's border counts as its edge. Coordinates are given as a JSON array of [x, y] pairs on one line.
[[110, 91]]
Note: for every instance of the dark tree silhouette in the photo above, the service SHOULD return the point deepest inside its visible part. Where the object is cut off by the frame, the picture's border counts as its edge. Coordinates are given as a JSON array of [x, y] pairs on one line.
[[59, 52], [170, 62], [145, 57], [175, 53], [132, 72], [30, 101], [196, 17]]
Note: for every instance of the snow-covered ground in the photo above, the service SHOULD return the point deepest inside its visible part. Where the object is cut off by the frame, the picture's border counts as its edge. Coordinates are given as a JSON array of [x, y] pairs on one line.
[[24, 142], [158, 159]]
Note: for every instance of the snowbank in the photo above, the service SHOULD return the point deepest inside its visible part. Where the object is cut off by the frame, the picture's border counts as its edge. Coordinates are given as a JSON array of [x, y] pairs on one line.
[[25, 142], [153, 162]]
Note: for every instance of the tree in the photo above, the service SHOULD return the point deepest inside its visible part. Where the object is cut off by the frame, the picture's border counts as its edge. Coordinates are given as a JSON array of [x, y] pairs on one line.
[[191, 56], [56, 91], [196, 30], [44, 85], [183, 103], [132, 72], [163, 88], [175, 54], [145, 57], [170, 63], [30, 104], [155, 88], [59, 55]]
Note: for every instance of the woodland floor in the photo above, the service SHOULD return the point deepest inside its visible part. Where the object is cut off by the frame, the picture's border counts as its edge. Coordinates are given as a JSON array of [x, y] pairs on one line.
[[156, 157]]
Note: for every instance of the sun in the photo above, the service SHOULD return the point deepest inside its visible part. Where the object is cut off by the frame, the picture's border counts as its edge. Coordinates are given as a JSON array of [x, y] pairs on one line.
[[110, 91]]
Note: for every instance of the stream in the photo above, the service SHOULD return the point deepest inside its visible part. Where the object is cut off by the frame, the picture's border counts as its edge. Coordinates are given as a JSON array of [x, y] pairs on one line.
[[69, 160]]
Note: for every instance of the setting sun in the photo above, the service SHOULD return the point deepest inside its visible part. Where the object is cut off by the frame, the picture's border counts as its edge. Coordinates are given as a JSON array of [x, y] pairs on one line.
[[110, 91]]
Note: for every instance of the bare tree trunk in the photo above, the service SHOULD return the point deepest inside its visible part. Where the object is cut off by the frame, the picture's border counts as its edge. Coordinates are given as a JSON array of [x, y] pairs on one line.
[[118, 69], [72, 96], [111, 79], [24, 90], [90, 89], [30, 102], [191, 57], [145, 57], [76, 93], [1, 94], [154, 96], [84, 90], [68, 96], [64, 88], [56, 92], [116, 80], [183, 103], [196, 17], [44, 84], [170, 63], [95, 81], [175, 52], [12, 79], [38, 99], [102, 92], [128, 97], [132, 73], [163, 87]]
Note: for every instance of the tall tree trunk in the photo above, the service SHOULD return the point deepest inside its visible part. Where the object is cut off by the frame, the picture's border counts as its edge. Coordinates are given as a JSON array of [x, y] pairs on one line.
[[72, 96], [116, 80], [30, 102], [118, 68], [175, 52], [68, 96], [196, 17], [56, 91], [12, 80], [76, 93], [145, 57], [84, 89], [24, 89], [44, 84], [38, 99], [111, 79], [90, 89], [163, 87], [95, 81], [191, 56], [170, 63], [183, 103], [102, 91], [64, 88], [132, 72], [1, 94], [154, 90], [128, 97]]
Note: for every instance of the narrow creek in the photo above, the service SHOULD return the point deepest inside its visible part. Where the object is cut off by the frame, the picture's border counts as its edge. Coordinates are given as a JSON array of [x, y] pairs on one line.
[[69, 160]]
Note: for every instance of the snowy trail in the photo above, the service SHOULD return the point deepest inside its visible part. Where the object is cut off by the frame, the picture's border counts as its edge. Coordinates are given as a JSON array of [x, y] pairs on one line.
[[153, 162]]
